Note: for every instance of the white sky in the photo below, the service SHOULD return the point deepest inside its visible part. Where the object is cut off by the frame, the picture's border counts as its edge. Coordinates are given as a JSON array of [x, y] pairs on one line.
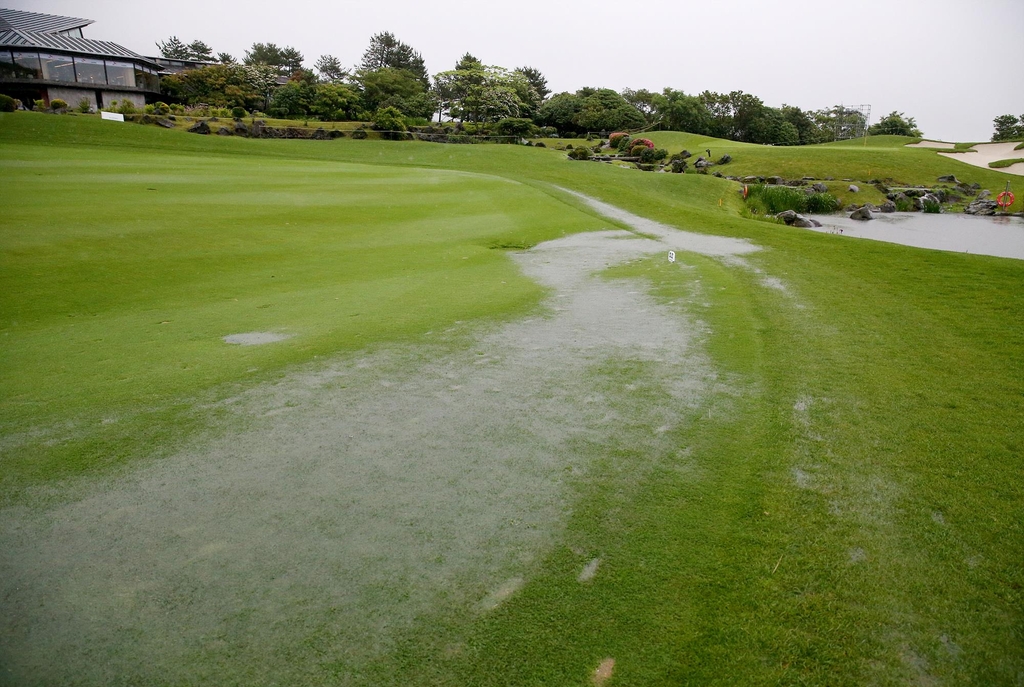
[[953, 65]]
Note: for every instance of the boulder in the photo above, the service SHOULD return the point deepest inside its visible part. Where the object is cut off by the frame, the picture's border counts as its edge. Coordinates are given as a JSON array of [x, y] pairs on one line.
[[862, 214], [167, 124], [214, 119], [982, 207], [796, 182], [685, 154], [787, 216], [888, 206], [241, 129], [775, 181], [200, 127], [753, 180], [223, 131], [805, 223], [949, 178], [984, 194], [321, 135], [725, 159], [853, 188], [819, 188]]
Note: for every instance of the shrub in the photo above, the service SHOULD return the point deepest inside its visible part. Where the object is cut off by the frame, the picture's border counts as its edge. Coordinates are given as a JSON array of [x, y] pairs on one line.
[[126, 107], [238, 112], [149, 109], [359, 134], [660, 154], [515, 128], [637, 151], [161, 108], [775, 199], [623, 144], [390, 122], [646, 155], [580, 153], [84, 105], [7, 103], [180, 109], [642, 142], [540, 144], [614, 139], [904, 204], [822, 203], [932, 207], [58, 105], [39, 104]]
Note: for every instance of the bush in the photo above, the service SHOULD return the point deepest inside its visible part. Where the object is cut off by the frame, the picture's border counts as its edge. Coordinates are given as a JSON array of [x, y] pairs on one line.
[[39, 104], [623, 144], [359, 134], [822, 203], [238, 112], [904, 204], [772, 200], [126, 107], [180, 109], [540, 144], [932, 207], [616, 137], [58, 105], [642, 142], [647, 155], [161, 108], [85, 106], [549, 132], [390, 122], [660, 154], [515, 128], [580, 153], [7, 103], [637, 151]]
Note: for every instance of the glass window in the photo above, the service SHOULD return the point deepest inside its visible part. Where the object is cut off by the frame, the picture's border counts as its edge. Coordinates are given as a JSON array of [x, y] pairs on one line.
[[90, 71], [146, 78], [7, 69], [57, 68], [26, 64], [119, 73]]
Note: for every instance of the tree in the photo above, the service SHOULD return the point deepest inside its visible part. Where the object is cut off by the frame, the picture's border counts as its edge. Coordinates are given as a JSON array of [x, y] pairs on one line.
[[477, 93], [771, 126], [173, 49], [839, 123], [806, 129], [390, 87], [643, 101], [225, 58], [200, 51], [559, 111], [680, 112], [468, 62], [220, 85], [285, 60], [292, 99], [894, 124], [330, 69], [605, 110], [1008, 128], [537, 80], [335, 102], [387, 52]]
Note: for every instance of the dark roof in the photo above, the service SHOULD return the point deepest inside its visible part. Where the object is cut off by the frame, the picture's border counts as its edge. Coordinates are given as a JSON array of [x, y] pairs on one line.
[[17, 20], [81, 46]]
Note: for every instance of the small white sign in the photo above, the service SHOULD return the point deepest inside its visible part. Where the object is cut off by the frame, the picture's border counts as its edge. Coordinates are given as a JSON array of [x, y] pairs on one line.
[[671, 256], [112, 116]]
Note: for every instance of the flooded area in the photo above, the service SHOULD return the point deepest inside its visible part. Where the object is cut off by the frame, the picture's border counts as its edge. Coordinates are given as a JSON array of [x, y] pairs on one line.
[[999, 236]]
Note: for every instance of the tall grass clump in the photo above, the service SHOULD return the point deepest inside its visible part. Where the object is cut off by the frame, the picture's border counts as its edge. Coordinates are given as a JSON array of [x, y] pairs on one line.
[[823, 203], [772, 200]]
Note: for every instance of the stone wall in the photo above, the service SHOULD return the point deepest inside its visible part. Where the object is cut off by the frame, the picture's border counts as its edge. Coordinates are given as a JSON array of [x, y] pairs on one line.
[[72, 96]]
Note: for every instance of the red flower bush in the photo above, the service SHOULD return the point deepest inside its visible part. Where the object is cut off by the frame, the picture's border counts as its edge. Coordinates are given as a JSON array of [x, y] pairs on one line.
[[641, 142], [613, 139]]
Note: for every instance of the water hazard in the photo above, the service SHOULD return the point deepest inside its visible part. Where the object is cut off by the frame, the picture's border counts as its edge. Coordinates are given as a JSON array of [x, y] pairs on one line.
[[999, 236]]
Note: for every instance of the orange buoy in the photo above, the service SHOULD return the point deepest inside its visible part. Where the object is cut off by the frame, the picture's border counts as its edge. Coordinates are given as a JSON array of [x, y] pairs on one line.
[[1005, 199]]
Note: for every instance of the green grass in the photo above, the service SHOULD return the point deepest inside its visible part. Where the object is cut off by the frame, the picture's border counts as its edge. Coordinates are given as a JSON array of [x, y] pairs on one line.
[[1019, 146], [1000, 164], [849, 510]]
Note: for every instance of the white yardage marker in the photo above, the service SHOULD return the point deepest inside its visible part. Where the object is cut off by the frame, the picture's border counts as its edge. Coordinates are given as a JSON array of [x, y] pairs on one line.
[[671, 256]]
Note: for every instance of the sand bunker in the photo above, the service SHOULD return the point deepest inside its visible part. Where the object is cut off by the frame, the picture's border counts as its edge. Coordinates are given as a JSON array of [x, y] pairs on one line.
[[932, 144], [417, 480], [984, 153], [255, 338]]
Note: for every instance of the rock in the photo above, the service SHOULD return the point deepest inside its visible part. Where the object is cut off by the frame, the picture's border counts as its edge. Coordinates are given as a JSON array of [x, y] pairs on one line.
[[701, 163], [808, 178], [200, 128], [172, 118], [214, 119], [165, 123], [223, 131], [685, 154], [862, 214], [984, 194], [830, 178], [805, 223], [850, 208], [775, 181], [853, 188], [888, 206], [725, 159], [787, 216], [819, 188], [982, 207], [321, 135], [949, 178], [796, 182], [975, 186], [241, 129]]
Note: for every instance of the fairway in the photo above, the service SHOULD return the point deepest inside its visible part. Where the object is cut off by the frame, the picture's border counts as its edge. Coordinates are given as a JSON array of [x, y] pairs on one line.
[[492, 435]]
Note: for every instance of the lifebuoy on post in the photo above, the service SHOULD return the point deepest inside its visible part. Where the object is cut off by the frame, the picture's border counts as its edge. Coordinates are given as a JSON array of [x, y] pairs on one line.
[[744, 191], [1005, 199]]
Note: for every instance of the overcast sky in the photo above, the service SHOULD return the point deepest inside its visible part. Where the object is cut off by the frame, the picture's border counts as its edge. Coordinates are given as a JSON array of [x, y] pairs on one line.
[[953, 65]]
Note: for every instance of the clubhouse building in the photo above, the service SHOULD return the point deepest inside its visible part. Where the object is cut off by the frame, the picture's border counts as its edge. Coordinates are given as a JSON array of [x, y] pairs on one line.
[[45, 57]]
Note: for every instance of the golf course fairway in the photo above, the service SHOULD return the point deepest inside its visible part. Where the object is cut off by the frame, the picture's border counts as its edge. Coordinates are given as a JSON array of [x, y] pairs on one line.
[[352, 412]]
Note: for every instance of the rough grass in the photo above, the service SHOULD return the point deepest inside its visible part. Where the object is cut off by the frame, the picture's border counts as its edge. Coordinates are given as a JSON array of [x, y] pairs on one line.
[[846, 509], [1000, 164]]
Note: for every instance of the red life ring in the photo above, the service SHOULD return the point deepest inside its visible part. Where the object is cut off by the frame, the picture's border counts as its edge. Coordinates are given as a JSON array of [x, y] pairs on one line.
[[1005, 199], [744, 191]]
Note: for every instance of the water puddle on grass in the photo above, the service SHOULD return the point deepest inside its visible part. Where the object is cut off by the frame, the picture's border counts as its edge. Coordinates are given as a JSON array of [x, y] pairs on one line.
[[400, 483], [255, 338], [998, 236]]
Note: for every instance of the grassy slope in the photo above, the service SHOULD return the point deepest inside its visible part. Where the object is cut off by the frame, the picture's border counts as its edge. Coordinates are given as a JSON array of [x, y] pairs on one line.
[[856, 517]]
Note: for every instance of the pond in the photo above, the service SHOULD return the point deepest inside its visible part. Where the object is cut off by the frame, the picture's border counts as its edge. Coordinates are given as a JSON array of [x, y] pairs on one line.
[[998, 236]]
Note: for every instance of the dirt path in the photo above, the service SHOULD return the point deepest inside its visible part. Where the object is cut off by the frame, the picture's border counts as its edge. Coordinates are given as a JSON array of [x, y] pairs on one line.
[[350, 499]]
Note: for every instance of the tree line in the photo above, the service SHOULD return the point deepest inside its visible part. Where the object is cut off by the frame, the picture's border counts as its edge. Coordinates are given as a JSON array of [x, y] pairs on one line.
[[393, 75]]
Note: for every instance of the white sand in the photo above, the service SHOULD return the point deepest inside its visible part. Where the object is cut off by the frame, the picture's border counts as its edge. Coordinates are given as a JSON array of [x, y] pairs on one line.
[[931, 144], [984, 153]]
